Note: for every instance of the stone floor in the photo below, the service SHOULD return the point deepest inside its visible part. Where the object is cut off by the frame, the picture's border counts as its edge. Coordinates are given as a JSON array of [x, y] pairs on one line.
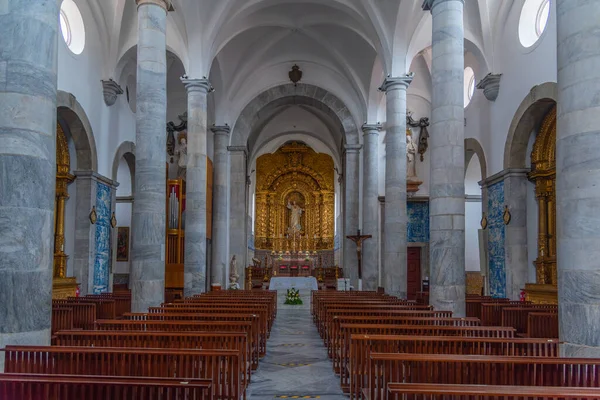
[[296, 363]]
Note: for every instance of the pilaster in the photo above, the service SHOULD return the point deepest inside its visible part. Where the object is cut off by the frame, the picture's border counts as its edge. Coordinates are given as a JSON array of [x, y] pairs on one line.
[[220, 248]]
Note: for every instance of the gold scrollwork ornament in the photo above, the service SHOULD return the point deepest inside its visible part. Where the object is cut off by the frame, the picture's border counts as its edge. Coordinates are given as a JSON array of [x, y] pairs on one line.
[[93, 216], [506, 215]]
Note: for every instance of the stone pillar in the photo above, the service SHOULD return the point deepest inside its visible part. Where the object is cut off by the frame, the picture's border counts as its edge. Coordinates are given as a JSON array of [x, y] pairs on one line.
[[194, 271], [148, 216], [351, 198], [370, 210], [394, 258], [220, 237], [238, 242], [28, 64], [447, 179], [577, 177]]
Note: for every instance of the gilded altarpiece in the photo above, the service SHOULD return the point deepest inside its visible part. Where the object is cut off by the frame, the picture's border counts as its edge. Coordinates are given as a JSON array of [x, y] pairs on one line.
[[294, 176], [543, 174]]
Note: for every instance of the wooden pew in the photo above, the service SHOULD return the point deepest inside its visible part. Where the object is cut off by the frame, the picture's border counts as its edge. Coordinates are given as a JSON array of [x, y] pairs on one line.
[[517, 316], [163, 340], [187, 326], [222, 367], [436, 391], [491, 313], [473, 304], [122, 301], [62, 318], [105, 308], [361, 347], [387, 368], [84, 314], [542, 325], [72, 387]]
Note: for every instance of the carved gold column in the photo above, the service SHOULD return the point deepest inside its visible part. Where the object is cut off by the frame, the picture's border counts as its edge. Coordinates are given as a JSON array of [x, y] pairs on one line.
[[62, 287]]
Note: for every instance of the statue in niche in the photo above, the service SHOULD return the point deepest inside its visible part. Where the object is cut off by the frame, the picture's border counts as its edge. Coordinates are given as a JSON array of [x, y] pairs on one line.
[[233, 274], [182, 153], [411, 152], [296, 214]]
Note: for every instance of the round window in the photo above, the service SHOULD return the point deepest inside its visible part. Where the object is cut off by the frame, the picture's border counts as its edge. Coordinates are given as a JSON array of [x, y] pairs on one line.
[[72, 27], [533, 21], [469, 81]]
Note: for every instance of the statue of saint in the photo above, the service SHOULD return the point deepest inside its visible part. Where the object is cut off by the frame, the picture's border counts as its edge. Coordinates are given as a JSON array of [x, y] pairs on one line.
[[411, 151], [296, 213], [182, 162]]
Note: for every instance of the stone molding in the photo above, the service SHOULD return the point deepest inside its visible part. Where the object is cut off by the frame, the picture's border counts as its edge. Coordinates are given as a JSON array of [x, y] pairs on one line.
[[124, 199], [428, 4], [371, 129], [111, 90], [238, 149], [197, 85], [352, 148], [164, 4], [394, 83], [490, 86], [502, 175], [96, 177], [222, 130]]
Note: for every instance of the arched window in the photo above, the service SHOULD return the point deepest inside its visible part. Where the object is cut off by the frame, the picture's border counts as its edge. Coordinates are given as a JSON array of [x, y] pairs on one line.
[[72, 27], [533, 21], [469, 85]]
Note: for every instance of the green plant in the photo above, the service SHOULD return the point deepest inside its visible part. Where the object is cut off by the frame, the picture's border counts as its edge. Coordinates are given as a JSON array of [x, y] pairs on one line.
[[293, 297]]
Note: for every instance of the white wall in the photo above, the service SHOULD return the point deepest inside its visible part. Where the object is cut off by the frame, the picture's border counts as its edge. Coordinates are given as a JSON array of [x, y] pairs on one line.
[[472, 215], [123, 212]]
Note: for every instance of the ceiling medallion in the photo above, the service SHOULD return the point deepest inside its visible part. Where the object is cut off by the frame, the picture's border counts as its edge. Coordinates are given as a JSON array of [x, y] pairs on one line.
[[295, 74]]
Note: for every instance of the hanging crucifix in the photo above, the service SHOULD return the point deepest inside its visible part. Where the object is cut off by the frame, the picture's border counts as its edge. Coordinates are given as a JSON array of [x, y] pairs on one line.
[[358, 239]]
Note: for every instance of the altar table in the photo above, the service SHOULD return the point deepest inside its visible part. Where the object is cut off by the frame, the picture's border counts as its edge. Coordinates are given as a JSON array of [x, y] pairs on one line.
[[285, 282]]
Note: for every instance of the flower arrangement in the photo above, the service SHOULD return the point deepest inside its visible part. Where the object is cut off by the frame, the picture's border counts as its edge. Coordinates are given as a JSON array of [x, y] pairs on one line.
[[293, 297]]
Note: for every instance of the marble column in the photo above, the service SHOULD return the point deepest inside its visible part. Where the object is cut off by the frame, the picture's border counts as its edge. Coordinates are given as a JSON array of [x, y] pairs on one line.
[[238, 241], [351, 199], [28, 65], [577, 177], [220, 237], [370, 208], [194, 272], [447, 178], [148, 216], [394, 258]]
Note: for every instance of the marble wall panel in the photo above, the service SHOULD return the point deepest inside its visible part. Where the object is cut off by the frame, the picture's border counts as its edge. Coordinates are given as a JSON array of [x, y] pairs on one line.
[[418, 222], [496, 238], [103, 234]]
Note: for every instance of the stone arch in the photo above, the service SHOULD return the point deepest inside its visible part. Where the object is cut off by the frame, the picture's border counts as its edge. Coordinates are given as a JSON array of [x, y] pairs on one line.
[[125, 150], [473, 147], [73, 118], [528, 117], [305, 94]]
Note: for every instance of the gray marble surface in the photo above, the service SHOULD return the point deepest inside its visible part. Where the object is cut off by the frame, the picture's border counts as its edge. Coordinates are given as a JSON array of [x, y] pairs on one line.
[[238, 244], [370, 210], [220, 253], [296, 363], [148, 216], [351, 199]]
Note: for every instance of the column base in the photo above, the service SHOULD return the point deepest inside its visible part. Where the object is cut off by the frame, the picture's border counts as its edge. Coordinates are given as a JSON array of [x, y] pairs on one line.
[[541, 293], [64, 287]]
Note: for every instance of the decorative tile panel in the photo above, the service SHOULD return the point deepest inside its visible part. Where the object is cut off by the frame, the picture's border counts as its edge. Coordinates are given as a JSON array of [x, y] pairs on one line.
[[496, 235], [418, 222], [103, 229]]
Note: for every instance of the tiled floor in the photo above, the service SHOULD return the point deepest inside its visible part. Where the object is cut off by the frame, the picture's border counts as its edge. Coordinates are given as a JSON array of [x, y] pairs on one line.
[[296, 363]]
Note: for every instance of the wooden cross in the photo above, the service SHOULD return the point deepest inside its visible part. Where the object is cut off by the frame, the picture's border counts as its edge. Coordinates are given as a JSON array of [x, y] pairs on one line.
[[358, 239]]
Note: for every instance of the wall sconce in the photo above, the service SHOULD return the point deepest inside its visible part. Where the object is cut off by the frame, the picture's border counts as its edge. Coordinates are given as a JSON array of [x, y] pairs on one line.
[[113, 220], [484, 221], [506, 215], [93, 216]]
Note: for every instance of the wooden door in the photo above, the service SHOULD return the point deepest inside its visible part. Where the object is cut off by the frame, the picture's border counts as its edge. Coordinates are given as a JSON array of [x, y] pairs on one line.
[[413, 276]]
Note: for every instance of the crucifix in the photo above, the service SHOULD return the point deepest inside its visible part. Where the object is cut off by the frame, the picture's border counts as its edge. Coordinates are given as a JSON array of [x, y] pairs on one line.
[[358, 239]]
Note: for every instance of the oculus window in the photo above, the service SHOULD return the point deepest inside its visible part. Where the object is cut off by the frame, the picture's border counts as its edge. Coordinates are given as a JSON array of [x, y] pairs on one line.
[[469, 85], [72, 27], [533, 21]]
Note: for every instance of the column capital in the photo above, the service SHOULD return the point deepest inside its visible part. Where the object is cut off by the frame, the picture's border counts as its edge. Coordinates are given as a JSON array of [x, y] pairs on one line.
[[111, 90], [490, 86], [197, 85], [164, 4], [352, 148], [222, 130], [428, 4], [371, 129], [393, 83]]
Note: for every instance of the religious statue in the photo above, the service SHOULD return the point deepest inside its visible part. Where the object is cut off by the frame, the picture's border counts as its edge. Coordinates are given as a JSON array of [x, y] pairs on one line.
[[182, 153], [411, 151], [296, 213], [233, 274]]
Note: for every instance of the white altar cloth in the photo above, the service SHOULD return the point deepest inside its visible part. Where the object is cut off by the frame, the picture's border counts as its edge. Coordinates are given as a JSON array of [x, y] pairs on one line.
[[296, 282]]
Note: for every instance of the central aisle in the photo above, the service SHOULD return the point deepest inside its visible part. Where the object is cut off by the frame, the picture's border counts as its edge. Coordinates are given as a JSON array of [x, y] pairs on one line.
[[296, 363]]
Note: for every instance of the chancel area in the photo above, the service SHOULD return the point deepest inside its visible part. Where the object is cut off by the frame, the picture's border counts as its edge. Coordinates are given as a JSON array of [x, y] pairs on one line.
[[227, 199]]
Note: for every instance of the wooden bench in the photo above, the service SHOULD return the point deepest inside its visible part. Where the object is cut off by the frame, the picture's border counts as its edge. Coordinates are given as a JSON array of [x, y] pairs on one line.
[[84, 314], [397, 391], [62, 318], [105, 308], [361, 347], [491, 313], [473, 304], [122, 301], [517, 316], [187, 326], [387, 368], [222, 367], [71, 387], [542, 325]]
